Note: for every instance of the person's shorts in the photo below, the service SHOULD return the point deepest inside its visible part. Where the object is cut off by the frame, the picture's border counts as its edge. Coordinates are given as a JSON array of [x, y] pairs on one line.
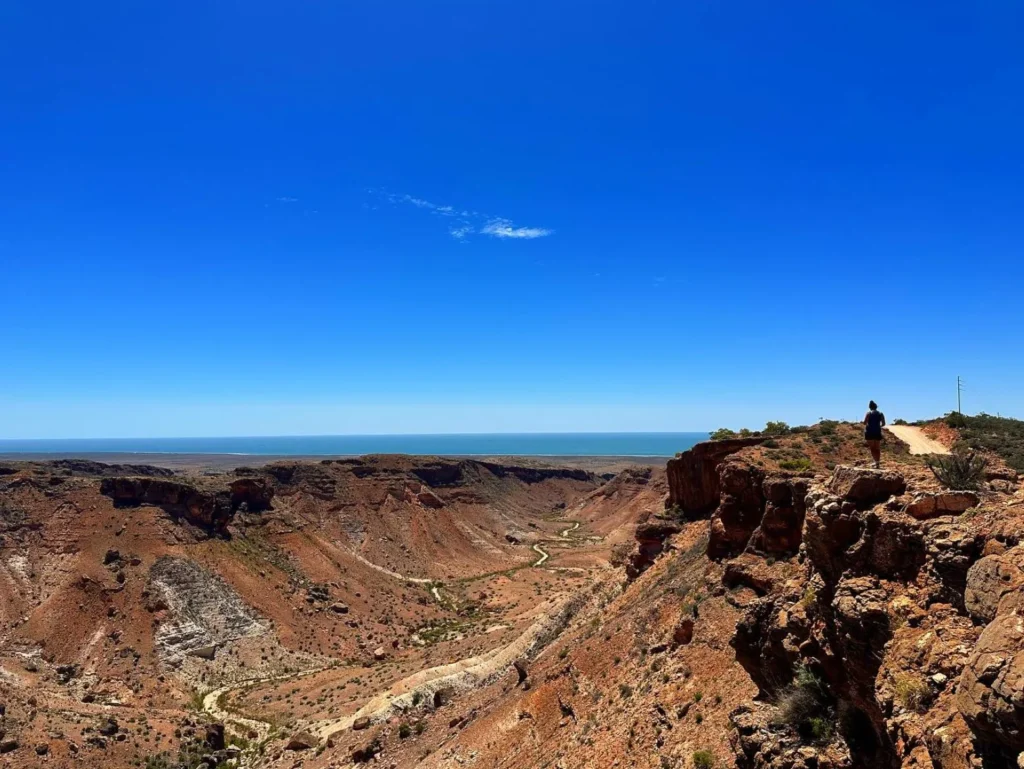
[[873, 438]]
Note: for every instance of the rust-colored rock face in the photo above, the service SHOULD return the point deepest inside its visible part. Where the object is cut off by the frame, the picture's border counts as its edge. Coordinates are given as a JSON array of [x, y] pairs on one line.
[[865, 487], [994, 584], [781, 529], [925, 506], [764, 515], [693, 479], [651, 540], [991, 691], [208, 509]]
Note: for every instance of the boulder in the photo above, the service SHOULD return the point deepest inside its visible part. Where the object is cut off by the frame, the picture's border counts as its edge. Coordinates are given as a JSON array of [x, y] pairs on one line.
[[301, 741], [361, 723], [865, 486], [925, 506], [366, 753], [683, 632], [991, 691], [994, 584], [749, 570], [379, 653], [215, 736]]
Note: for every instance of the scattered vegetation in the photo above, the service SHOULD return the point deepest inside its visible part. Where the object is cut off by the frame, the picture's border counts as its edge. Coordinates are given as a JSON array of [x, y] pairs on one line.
[[703, 759], [999, 435], [962, 470], [799, 464], [806, 706], [772, 428], [912, 692]]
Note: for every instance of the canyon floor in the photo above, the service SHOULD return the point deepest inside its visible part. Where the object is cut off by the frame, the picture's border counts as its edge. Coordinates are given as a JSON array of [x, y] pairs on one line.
[[756, 602]]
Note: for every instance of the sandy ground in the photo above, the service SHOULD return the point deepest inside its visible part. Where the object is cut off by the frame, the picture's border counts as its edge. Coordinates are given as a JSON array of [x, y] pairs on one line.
[[915, 438]]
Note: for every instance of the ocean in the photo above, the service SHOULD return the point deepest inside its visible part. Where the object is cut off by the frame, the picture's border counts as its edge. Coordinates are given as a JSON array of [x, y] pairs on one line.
[[477, 444]]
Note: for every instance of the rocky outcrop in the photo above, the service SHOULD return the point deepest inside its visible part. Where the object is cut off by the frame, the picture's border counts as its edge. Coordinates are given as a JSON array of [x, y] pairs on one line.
[[693, 477], [760, 742], [538, 474], [839, 536], [780, 531], [209, 508], [651, 538], [995, 585], [925, 506], [768, 640], [429, 499], [87, 467], [865, 487], [991, 690], [739, 511], [255, 493], [764, 515], [203, 611]]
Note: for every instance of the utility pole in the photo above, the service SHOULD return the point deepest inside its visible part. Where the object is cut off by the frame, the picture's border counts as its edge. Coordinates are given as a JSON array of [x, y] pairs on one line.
[[959, 389]]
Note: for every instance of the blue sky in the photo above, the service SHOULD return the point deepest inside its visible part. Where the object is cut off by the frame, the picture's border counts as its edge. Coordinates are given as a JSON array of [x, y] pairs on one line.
[[332, 217]]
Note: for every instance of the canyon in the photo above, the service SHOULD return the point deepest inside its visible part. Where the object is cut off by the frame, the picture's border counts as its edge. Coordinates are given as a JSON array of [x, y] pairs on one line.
[[763, 602]]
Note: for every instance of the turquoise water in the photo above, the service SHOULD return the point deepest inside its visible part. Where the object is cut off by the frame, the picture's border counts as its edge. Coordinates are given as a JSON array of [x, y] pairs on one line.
[[522, 444]]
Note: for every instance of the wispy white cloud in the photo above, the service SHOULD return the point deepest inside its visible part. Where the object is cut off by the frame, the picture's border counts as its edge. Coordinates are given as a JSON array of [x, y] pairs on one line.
[[469, 222], [503, 228], [286, 199]]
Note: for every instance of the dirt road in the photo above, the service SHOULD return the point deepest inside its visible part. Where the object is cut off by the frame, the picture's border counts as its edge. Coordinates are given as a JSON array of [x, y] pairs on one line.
[[915, 438]]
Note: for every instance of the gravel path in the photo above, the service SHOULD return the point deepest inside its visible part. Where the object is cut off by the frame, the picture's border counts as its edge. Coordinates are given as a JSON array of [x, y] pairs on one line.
[[915, 438]]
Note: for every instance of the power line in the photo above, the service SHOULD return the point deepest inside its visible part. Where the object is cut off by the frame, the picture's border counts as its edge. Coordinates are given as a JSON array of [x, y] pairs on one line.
[[959, 389]]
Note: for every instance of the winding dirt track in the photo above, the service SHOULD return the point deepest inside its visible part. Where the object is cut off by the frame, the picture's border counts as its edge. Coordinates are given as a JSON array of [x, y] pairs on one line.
[[459, 675], [915, 438]]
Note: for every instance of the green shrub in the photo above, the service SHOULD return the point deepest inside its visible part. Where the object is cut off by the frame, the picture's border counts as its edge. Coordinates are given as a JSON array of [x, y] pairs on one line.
[[820, 729], [962, 470], [703, 759], [899, 421], [806, 707], [722, 434], [956, 419], [912, 693], [404, 731], [827, 426], [776, 428], [803, 463]]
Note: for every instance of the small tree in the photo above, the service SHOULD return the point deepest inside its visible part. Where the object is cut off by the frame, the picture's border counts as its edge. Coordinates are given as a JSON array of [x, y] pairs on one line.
[[776, 428], [722, 434], [963, 470]]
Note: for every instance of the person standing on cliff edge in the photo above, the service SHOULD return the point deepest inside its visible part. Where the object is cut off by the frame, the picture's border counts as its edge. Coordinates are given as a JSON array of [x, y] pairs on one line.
[[874, 421]]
